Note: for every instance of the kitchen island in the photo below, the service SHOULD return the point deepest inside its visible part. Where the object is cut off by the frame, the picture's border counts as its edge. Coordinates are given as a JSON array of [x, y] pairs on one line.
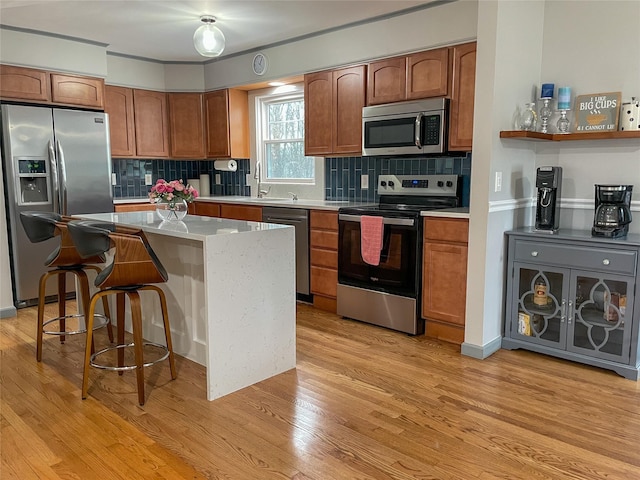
[[230, 294]]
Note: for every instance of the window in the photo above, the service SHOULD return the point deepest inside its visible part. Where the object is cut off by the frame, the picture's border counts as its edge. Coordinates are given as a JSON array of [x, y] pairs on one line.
[[280, 145]]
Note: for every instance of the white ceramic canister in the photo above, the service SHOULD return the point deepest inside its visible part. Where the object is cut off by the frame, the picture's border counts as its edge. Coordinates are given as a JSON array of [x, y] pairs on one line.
[[630, 116]]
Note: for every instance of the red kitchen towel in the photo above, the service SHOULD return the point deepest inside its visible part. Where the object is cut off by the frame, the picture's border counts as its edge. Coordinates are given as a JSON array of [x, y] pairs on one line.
[[370, 239]]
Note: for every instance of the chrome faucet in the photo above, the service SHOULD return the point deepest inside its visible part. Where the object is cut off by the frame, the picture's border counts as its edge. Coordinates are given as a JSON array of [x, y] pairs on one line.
[[261, 193]]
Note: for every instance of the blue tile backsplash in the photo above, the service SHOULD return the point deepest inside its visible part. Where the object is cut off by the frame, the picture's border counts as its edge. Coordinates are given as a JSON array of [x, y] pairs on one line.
[[130, 174], [342, 174]]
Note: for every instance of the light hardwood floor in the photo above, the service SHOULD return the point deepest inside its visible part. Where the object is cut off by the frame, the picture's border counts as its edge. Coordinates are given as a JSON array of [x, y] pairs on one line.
[[363, 403]]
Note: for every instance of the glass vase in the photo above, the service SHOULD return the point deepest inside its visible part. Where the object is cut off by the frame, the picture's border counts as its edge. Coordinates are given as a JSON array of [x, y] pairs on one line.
[[172, 210], [529, 117]]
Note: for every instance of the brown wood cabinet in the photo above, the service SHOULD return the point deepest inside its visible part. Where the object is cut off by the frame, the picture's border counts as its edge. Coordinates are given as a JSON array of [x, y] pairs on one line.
[[462, 97], [411, 77], [186, 125], [444, 277], [76, 90], [151, 123], [333, 111], [119, 106], [27, 84], [241, 212], [324, 258], [227, 124], [386, 81], [134, 207], [318, 97], [207, 209]]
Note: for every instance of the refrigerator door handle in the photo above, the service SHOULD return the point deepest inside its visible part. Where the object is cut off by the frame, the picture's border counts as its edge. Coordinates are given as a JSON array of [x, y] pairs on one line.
[[55, 183], [63, 179]]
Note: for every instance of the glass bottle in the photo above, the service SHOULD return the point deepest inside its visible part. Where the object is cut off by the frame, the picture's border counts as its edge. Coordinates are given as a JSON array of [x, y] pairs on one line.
[[529, 117]]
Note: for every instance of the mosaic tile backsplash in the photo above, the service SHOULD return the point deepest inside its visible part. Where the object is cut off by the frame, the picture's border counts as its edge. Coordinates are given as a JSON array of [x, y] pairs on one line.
[[342, 175], [130, 174]]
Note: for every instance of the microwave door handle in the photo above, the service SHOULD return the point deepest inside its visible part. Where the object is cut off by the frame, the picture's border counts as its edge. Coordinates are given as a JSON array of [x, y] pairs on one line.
[[417, 130]]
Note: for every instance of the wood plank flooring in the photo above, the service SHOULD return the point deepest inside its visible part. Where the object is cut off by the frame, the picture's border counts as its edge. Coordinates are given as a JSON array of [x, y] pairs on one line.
[[363, 403]]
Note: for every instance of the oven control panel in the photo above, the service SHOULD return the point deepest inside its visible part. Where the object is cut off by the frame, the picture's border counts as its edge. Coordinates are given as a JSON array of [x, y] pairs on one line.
[[442, 185]]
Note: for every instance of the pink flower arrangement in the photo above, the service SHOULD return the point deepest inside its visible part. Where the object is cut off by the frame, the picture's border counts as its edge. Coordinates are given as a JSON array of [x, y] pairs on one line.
[[172, 191]]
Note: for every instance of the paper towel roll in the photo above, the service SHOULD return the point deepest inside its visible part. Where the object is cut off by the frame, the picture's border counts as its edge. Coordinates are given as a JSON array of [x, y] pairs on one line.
[[205, 185], [195, 183], [226, 165]]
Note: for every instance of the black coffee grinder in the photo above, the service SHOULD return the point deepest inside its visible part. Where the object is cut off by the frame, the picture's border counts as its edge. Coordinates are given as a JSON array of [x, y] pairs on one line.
[[613, 211], [548, 183]]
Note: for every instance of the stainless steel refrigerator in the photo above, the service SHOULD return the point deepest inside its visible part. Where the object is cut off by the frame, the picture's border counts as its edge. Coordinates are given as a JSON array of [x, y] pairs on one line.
[[54, 160]]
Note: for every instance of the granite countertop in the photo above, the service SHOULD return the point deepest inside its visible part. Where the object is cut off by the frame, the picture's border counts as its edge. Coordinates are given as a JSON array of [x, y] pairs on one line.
[[265, 202], [194, 227]]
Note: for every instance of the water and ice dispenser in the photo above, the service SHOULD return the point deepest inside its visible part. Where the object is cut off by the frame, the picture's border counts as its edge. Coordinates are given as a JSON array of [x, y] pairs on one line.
[[33, 181]]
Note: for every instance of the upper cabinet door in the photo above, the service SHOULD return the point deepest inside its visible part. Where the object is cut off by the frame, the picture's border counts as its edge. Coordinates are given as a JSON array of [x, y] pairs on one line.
[[216, 110], [386, 81], [119, 106], [462, 97], [74, 90], [349, 93], [24, 84], [151, 123], [428, 74], [186, 125], [318, 118]]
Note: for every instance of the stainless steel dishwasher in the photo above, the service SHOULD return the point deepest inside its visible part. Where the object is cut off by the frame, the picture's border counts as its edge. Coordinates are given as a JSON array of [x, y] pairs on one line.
[[299, 218]]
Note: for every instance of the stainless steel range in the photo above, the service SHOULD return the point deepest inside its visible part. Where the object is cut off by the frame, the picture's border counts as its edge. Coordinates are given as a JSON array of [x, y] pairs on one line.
[[388, 293]]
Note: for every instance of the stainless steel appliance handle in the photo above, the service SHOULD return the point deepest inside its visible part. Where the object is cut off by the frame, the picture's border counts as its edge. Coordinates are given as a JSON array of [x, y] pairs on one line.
[[63, 179], [418, 130], [386, 221], [54, 178], [283, 220]]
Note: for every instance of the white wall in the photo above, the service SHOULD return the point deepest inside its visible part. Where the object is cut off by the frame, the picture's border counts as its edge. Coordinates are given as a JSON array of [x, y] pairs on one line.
[[442, 25], [42, 51]]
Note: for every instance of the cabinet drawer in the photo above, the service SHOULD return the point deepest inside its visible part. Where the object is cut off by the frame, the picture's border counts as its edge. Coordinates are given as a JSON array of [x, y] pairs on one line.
[[324, 281], [601, 259], [324, 239], [324, 258], [324, 220], [446, 229]]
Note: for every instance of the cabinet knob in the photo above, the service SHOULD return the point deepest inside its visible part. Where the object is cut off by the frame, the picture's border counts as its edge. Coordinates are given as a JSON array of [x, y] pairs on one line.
[[534, 253], [606, 261]]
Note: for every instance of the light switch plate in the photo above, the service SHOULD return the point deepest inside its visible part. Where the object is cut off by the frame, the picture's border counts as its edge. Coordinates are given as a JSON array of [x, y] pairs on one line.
[[114, 179], [147, 179], [498, 185], [218, 179], [364, 182], [247, 179]]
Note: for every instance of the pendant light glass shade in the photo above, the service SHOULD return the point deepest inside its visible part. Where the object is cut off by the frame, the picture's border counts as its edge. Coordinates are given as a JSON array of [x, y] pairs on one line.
[[208, 39]]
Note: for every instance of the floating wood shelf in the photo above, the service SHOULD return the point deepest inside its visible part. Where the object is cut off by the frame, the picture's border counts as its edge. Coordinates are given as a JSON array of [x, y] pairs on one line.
[[560, 137]]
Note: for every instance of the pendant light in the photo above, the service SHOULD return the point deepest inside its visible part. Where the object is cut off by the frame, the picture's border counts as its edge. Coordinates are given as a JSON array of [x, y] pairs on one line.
[[208, 39]]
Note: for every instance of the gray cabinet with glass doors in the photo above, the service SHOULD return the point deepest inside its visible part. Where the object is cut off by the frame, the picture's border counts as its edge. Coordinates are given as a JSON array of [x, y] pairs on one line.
[[573, 297]]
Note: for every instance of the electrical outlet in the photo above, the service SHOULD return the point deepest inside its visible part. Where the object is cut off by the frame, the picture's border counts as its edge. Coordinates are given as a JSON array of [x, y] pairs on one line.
[[247, 180], [114, 179], [364, 182], [219, 179], [498, 185], [147, 179]]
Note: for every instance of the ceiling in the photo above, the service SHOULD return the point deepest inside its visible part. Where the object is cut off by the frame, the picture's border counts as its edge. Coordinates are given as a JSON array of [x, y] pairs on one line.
[[163, 29]]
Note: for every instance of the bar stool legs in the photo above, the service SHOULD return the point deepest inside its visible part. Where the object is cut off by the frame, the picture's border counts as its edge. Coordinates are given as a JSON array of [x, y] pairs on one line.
[[90, 358], [83, 296]]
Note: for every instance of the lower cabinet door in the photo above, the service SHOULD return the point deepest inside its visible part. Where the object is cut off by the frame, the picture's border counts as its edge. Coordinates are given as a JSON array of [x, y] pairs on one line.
[[540, 296], [599, 320]]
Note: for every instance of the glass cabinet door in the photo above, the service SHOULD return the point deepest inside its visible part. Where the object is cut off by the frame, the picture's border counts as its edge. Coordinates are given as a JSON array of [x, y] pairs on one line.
[[540, 295], [600, 324]]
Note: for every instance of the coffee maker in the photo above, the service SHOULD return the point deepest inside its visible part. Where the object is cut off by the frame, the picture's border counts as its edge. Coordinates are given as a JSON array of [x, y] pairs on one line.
[[548, 183], [613, 211]]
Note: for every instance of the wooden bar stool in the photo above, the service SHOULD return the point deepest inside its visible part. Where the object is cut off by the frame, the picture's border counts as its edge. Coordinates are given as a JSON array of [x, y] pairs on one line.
[[134, 267], [41, 226]]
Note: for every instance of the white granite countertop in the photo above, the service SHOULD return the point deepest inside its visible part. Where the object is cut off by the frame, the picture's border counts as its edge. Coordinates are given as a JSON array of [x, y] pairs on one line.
[[265, 202], [194, 227]]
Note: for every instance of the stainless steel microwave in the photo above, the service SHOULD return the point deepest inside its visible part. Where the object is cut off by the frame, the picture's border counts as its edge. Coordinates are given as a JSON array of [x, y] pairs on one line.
[[406, 128]]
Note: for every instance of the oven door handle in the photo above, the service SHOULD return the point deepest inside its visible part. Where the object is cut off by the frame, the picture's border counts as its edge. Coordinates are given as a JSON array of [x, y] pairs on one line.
[[386, 220]]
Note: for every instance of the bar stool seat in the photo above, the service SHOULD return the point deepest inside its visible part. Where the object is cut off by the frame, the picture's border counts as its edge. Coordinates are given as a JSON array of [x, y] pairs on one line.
[[65, 259], [135, 267]]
